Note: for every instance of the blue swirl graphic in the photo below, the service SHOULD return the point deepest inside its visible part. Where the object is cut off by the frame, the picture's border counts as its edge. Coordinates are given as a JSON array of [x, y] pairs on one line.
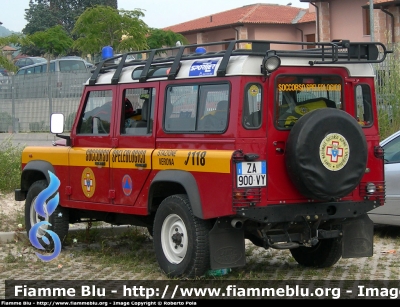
[[45, 194], [45, 210], [35, 242]]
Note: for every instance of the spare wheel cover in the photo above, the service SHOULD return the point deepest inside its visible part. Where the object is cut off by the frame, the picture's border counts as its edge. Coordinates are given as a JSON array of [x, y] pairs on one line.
[[326, 154]]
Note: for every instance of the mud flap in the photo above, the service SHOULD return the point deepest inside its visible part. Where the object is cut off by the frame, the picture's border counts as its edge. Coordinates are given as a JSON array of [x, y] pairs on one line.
[[227, 246], [358, 237]]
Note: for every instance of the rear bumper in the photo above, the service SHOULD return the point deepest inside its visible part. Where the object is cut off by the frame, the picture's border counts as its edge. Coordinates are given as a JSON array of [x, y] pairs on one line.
[[310, 212]]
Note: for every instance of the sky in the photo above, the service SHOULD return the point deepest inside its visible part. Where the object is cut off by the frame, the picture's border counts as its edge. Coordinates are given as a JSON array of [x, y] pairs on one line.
[[158, 13]]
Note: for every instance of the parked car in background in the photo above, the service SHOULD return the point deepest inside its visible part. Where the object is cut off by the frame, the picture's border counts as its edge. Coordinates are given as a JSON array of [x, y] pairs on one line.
[[22, 62], [58, 65], [3, 71], [88, 64], [68, 75], [389, 214], [4, 80]]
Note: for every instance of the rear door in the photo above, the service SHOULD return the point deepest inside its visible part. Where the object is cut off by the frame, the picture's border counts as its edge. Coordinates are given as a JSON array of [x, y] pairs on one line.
[[292, 93], [131, 159]]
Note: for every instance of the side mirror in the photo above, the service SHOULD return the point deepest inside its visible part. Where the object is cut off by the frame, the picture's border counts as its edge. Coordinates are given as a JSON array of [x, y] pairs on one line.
[[57, 127], [57, 123]]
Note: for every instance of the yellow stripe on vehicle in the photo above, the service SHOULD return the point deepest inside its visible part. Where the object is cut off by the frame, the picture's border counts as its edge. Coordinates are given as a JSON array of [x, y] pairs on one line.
[[82, 156], [131, 158], [53, 154], [213, 161]]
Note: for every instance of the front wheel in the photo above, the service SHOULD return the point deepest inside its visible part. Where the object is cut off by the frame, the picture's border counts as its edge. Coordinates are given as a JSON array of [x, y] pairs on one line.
[[59, 219], [324, 254], [180, 239]]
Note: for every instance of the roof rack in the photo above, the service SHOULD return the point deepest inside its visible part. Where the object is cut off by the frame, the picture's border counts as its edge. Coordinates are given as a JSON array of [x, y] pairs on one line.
[[335, 52]]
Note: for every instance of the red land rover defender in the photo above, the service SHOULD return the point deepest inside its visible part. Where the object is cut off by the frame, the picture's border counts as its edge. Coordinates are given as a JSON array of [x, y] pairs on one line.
[[274, 142]]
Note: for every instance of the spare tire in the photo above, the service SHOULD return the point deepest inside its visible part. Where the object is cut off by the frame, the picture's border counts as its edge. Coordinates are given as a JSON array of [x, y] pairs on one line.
[[326, 154]]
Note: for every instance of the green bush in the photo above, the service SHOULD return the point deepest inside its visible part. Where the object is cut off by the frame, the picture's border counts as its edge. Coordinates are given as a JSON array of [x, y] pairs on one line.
[[388, 94], [5, 121], [10, 165]]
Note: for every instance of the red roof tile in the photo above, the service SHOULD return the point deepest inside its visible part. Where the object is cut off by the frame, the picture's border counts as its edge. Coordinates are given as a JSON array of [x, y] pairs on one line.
[[8, 48], [249, 14], [381, 1], [375, 1]]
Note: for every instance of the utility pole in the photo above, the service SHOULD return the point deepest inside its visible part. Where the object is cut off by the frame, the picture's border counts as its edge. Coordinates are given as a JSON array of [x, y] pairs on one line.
[[371, 19]]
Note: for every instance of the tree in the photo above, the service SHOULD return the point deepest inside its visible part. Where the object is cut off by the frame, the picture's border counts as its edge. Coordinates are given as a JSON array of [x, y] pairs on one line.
[[8, 40], [159, 38], [101, 26], [39, 17], [53, 41], [44, 14]]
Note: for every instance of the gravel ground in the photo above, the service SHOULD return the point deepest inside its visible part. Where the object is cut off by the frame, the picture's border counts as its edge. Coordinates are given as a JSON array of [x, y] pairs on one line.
[[102, 258]]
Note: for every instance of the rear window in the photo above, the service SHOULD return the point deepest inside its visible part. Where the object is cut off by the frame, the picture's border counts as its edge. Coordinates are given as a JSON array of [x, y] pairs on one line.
[[298, 95], [72, 65]]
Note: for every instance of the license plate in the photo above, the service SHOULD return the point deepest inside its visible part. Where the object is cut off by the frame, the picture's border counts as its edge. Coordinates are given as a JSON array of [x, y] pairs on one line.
[[251, 174]]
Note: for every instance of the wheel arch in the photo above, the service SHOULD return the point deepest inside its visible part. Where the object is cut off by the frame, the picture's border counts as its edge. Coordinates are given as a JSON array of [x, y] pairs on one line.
[[177, 182], [34, 171]]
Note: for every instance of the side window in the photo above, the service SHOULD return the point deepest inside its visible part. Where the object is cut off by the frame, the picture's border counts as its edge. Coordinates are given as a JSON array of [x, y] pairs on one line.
[[298, 95], [96, 116], [197, 108], [181, 108], [138, 111], [22, 62], [252, 106], [30, 70], [363, 104], [392, 151]]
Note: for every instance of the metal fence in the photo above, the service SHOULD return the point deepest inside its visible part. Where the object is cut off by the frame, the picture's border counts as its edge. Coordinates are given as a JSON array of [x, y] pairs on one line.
[[26, 102]]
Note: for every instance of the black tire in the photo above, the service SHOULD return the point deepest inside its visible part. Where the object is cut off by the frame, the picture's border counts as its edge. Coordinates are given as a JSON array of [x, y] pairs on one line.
[[180, 239], [324, 254], [59, 219], [307, 161]]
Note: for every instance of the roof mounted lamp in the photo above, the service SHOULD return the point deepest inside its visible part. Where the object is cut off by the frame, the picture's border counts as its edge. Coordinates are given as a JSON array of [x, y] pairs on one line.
[[270, 63], [200, 50]]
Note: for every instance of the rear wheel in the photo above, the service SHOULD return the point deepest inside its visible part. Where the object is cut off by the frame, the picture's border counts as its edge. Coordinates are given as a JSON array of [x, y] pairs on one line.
[[59, 219], [180, 239], [322, 255]]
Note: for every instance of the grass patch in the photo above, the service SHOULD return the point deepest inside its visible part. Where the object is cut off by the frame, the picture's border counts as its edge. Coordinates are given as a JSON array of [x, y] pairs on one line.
[[10, 165], [131, 249]]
